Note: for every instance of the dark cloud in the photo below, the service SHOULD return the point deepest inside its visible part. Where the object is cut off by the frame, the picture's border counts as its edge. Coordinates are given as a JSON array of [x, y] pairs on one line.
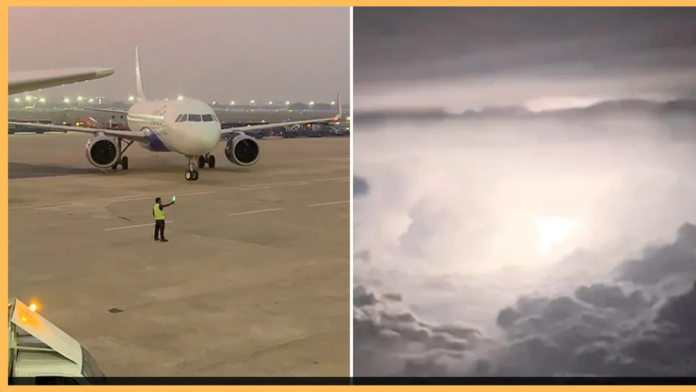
[[602, 329], [384, 324], [467, 58], [422, 43]]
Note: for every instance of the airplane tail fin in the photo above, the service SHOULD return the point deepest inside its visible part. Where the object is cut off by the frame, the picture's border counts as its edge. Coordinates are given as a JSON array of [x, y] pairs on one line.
[[340, 107], [138, 77]]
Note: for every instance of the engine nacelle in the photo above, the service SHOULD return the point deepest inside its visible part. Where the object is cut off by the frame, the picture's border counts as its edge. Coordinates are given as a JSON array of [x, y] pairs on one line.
[[241, 149], [102, 151]]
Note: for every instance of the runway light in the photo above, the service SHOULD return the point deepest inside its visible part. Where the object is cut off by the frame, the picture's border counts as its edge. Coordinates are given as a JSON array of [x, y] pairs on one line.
[[42, 100], [66, 100], [231, 103], [131, 98], [253, 102], [180, 98], [311, 103], [90, 100], [333, 102], [214, 103], [17, 100], [79, 99], [287, 102], [270, 102]]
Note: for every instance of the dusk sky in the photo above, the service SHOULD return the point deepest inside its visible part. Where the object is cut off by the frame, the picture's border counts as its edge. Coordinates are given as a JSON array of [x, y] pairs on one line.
[[223, 54], [506, 56]]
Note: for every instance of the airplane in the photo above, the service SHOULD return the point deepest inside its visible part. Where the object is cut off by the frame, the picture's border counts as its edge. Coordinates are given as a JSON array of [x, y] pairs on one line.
[[23, 81], [188, 127]]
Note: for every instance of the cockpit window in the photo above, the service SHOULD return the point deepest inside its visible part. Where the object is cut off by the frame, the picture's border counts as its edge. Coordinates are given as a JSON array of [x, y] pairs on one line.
[[183, 118], [207, 117], [178, 118], [194, 117], [215, 118]]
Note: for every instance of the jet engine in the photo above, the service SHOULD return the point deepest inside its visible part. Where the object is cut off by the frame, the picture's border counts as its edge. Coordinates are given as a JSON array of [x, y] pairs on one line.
[[241, 149], [102, 151]]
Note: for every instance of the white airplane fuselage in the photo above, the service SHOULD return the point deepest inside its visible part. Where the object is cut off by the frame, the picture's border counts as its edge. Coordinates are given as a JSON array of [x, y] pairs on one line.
[[188, 127], [197, 135]]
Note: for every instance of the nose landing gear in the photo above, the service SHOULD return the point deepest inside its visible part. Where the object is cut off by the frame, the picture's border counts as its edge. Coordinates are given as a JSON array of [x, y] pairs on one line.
[[192, 174], [207, 158]]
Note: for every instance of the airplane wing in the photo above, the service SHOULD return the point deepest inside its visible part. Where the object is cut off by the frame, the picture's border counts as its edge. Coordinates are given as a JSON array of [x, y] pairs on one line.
[[128, 135], [228, 131], [114, 111], [19, 82]]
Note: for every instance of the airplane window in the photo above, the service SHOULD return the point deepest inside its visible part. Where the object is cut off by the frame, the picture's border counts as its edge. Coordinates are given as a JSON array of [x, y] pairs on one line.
[[207, 118], [183, 118], [178, 118], [194, 117]]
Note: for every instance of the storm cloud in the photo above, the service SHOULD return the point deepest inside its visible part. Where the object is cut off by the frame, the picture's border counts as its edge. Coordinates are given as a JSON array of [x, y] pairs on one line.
[[448, 278], [532, 188]]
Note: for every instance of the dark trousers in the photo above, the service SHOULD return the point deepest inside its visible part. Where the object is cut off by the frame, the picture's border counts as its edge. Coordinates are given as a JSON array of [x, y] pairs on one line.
[[159, 229]]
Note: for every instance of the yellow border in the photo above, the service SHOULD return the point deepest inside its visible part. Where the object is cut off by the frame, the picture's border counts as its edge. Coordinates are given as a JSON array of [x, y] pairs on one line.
[[4, 179], [3, 144]]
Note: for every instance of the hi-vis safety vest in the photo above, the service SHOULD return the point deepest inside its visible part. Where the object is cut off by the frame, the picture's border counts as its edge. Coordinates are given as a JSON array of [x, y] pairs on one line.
[[159, 215]]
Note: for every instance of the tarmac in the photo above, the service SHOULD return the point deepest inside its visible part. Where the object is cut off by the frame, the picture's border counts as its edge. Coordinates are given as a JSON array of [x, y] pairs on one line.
[[255, 280]]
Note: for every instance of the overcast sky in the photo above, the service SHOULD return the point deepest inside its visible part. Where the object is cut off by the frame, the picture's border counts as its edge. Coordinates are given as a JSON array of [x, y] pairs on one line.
[[407, 56], [297, 54], [531, 245]]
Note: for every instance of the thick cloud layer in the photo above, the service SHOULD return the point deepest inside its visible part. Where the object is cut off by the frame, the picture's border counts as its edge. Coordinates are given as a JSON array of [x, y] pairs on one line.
[[450, 281]]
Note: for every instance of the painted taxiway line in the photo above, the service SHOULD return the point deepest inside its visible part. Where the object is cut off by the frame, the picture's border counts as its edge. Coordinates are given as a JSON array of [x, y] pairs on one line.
[[255, 212], [121, 199], [331, 203], [134, 226], [240, 213]]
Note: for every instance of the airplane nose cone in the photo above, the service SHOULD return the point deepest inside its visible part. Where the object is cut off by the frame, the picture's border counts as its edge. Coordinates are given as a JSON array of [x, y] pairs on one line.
[[212, 136], [198, 139]]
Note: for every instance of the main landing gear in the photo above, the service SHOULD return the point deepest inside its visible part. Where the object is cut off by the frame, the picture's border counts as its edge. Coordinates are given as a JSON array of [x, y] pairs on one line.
[[124, 159], [207, 158]]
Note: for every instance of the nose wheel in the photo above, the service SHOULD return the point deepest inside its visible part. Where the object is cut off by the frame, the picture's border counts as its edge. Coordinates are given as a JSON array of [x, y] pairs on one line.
[[208, 159], [192, 174]]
